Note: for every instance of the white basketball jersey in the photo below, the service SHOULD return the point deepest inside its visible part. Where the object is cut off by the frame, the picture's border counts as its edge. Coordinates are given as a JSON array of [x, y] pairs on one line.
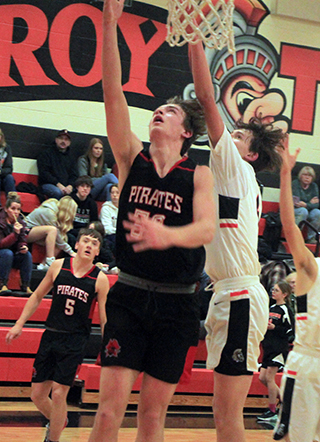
[[233, 251], [308, 317]]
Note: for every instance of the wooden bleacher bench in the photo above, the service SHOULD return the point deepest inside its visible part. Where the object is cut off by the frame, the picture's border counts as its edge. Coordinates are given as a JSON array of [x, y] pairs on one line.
[[197, 392], [17, 361], [29, 201]]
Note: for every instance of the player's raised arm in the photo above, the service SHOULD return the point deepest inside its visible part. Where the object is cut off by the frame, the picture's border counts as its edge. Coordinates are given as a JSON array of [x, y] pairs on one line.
[[33, 302], [125, 145], [205, 92], [303, 258]]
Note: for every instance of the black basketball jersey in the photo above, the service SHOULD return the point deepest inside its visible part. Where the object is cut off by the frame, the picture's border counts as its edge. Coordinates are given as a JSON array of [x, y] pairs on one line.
[[73, 300], [167, 200], [283, 333]]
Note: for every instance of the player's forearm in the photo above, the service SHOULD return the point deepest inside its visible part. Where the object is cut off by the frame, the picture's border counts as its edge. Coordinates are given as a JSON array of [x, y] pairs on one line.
[[102, 315], [102, 325], [292, 232], [111, 64], [201, 73], [205, 92], [286, 200], [192, 235], [29, 309]]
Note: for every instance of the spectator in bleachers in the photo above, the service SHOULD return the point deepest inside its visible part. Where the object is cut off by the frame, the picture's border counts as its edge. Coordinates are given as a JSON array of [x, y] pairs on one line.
[[93, 164], [59, 214], [44, 236], [6, 178], [106, 255], [87, 209], [291, 280], [14, 252], [56, 167], [276, 345], [306, 200], [109, 215]]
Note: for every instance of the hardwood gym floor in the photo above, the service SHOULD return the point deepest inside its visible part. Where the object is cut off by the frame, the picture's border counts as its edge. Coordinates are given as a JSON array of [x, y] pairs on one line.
[[20, 421]]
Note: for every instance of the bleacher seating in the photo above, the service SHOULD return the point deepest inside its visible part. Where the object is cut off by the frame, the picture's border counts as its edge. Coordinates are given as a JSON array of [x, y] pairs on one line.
[[29, 201], [271, 206], [16, 362]]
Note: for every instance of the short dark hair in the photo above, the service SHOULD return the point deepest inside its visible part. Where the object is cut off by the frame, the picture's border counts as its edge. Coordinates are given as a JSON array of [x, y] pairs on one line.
[[266, 141], [194, 120], [98, 226], [90, 232], [114, 185], [84, 179]]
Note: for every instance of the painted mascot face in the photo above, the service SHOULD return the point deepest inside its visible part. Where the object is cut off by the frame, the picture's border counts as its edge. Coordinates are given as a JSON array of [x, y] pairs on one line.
[[246, 96]]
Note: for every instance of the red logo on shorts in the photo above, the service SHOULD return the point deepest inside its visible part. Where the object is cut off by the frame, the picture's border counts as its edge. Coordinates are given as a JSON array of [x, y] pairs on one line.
[[34, 373], [112, 348]]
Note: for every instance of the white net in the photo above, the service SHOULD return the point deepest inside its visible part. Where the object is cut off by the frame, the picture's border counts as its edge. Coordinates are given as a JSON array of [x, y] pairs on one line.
[[209, 20]]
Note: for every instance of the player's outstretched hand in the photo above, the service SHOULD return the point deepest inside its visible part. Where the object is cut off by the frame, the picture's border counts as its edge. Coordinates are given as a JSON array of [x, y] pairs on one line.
[[13, 333], [145, 234], [113, 9], [288, 160]]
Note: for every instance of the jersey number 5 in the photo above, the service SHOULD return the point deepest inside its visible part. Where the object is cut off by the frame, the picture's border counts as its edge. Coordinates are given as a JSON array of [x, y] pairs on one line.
[[69, 310]]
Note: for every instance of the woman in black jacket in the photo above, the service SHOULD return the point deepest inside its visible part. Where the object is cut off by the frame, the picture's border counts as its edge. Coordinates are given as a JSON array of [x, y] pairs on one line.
[[14, 252]]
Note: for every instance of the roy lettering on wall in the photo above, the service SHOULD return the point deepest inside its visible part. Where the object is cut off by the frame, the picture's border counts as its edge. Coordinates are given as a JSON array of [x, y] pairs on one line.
[[57, 37]]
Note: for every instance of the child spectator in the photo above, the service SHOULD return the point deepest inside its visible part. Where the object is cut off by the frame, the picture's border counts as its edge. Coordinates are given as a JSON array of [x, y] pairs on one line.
[[276, 345], [106, 255], [291, 280], [87, 210], [59, 214], [14, 251], [109, 215], [6, 178], [92, 164]]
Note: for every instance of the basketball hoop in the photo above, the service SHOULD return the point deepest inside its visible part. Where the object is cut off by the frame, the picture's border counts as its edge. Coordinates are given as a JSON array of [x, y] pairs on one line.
[[209, 20]]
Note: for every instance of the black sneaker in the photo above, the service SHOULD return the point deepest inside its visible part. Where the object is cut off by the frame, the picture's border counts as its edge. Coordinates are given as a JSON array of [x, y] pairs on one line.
[[268, 416], [280, 431]]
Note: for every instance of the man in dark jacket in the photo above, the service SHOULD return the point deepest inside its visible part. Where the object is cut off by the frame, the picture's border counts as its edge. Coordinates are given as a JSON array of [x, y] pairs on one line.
[[56, 167]]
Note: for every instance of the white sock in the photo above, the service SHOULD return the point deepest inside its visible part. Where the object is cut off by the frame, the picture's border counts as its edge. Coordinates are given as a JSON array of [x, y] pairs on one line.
[[49, 261]]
